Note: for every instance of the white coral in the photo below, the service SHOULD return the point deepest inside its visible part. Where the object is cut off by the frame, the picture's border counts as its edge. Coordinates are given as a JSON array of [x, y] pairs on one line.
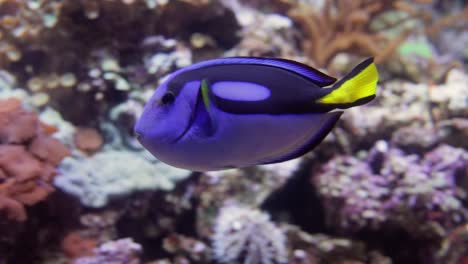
[[122, 251], [114, 173], [248, 235]]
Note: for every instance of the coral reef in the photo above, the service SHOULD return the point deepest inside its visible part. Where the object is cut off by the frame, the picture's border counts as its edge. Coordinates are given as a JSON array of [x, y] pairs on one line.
[[64, 131], [421, 107], [264, 34], [94, 180], [453, 247], [415, 199], [363, 27], [34, 29], [28, 157], [123, 251], [187, 249], [321, 248], [74, 245], [346, 27], [389, 187], [99, 226], [389, 184], [8, 90], [88, 140], [53, 53], [248, 236], [250, 186]]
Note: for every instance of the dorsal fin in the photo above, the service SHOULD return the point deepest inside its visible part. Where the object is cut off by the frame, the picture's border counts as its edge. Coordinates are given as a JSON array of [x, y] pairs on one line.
[[314, 75]]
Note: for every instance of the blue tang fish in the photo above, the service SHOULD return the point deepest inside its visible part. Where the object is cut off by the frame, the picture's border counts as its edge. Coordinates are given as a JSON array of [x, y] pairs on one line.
[[243, 111]]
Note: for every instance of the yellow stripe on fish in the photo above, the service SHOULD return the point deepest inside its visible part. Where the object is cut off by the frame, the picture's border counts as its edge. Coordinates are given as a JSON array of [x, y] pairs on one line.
[[357, 85]]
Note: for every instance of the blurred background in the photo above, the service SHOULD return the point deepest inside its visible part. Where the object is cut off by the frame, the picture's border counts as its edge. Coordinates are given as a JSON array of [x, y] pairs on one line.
[[388, 185]]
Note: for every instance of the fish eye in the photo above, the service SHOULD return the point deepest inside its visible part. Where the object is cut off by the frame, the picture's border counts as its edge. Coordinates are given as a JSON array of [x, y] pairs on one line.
[[168, 98]]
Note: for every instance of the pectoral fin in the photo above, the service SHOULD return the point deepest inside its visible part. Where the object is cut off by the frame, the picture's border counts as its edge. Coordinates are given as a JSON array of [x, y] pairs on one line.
[[207, 102]]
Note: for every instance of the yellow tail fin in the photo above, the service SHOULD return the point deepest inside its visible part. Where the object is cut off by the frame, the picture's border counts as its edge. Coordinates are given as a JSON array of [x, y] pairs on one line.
[[356, 88]]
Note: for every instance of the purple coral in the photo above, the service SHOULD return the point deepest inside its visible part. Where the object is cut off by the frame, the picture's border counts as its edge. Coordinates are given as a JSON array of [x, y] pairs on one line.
[[123, 251], [387, 186]]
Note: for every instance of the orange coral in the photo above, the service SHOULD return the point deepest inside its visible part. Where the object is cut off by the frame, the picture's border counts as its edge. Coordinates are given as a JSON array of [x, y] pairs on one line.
[[16, 125], [28, 158], [13, 209], [88, 139], [48, 149], [345, 26]]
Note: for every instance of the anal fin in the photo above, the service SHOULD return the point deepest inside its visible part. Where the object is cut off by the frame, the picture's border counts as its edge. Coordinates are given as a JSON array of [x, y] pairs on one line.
[[326, 126]]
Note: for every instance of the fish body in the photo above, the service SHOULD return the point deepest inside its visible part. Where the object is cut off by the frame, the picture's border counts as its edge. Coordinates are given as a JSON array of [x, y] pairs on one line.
[[243, 111]]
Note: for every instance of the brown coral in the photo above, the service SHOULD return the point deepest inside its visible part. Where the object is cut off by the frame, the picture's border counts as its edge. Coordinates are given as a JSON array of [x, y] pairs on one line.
[[348, 26], [88, 139], [15, 125], [13, 209], [28, 157], [74, 245], [48, 149]]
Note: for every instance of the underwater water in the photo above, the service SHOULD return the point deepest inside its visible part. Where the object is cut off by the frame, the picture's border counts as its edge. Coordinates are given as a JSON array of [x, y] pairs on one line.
[[388, 184]]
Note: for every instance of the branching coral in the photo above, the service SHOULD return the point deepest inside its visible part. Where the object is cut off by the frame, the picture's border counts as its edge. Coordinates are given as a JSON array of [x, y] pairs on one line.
[[28, 157], [344, 26], [349, 26], [247, 235]]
